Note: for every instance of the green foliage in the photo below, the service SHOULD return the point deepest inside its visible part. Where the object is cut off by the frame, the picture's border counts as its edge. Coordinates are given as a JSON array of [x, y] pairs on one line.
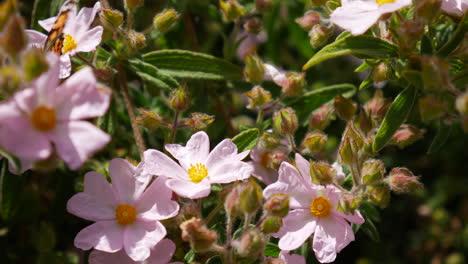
[[441, 137], [247, 139], [153, 78]]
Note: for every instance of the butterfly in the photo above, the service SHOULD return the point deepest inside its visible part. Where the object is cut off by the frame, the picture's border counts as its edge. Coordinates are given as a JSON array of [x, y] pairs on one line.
[[55, 38]]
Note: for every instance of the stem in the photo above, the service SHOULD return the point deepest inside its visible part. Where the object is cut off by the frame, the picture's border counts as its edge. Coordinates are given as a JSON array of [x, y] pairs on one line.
[[128, 102], [293, 145], [247, 218], [191, 30], [85, 60], [213, 213], [260, 120], [174, 127], [229, 238]]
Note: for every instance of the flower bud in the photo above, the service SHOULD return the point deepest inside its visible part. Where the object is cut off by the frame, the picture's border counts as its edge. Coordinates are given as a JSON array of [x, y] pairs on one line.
[[253, 25], [427, 10], [188, 211], [320, 118], [180, 99], [136, 40], [148, 119], [104, 75], [411, 32], [200, 237], [345, 108], [319, 35], [258, 97], [372, 171], [164, 20], [380, 72], [322, 173], [285, 121], [355, 134], [14, 39], [277, 205], [263, 5], [377, 107], [250, 244], [111, 19], [462, 104], [310, 19], [254, 68], [34, 63], [431, 107], [132, 4], [10, 80], [231, 9], [347, 151], [378, 195], [339, 173], [231, 204], [435, 73], [271, 224], [7, 9], [364, 122], [250, 198], [406, 135], [199, 121], [401, 180], [349, 203], [315, 141], [295, 84], [269, 140]]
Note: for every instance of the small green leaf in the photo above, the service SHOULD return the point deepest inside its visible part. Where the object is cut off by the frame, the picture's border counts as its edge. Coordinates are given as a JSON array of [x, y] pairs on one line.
[[153, 77], [13, 161], [456, 38], [272, 250], [316, 98], [193, 65], [370, 211], [359, 46], [247, 139], [394, 117], [369, 228], [364, 66], [441, 137], [367, 82], [190, 256]]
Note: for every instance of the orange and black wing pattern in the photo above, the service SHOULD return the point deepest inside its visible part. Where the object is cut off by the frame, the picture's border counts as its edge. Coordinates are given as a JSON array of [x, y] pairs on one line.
[[55, 37]]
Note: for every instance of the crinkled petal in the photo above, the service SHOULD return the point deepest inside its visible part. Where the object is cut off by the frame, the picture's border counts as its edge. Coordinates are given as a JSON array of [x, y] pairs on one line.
[[79, 98], [298, 225], [291, 259], [139, 238], [129, 182], [356, 16], [158, 163], [90, 40], [196, 150], [229, 171], [190, 189], [156, 202], [97, 202], [331, 236], [105, 236], [76, 141], [355, 218], [162, 253]]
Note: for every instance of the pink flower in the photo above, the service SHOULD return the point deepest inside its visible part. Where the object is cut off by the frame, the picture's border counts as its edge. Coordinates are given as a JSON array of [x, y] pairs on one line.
[[78, 37], [314, 211], [455, 7], [291, 258], [126, 215], [249, 42], [199, 168], [161, 253], [49, 112], [266, 161], [357, 16], [275, 75]]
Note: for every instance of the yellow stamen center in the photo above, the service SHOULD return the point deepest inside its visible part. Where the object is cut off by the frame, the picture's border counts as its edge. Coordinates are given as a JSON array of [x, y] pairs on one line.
[[43, 118], [381, 2], [125, 214], [320, 207], [69, 44], [197, 172]]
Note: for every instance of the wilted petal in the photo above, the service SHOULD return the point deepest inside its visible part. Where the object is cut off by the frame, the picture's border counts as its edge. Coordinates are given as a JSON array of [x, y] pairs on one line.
[[298, 225], [104, 236], [190, 189], [196, 150], [139, 239]]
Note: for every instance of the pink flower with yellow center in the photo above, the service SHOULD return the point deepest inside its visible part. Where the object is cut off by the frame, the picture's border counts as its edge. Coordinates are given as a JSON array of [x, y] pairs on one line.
[[198, 168], [314, 210], [357, 16], [77, 35], [126, 213], [48, 115]]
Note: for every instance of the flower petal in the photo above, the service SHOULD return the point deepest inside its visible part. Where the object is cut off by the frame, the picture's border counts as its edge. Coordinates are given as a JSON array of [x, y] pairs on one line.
[[162, 253], [226, 150], [156, 202], [128, 181], [392, 7], [304, 167], [355, 218], [291, 259], [76, 141], [47, 23], [196, 150], [272, 73], [158, 163], [190, 189], [35, 38], [266, 175], [90, 40], [139, 238], [65, 66], [85, 17], [105, 236], [229, 171], [80, 98], [298, 225], [97, 202], [356, 16], [101, 257]]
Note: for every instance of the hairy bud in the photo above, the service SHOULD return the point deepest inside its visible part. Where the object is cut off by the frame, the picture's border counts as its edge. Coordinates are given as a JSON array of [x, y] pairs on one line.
[[254, 68], [111, 19], [250, 198], [377, 107], [315, 141], [7, 9], [164, 20], [295, 84], [378, 195], [136, 40], [199, 121], [253, 25], [14, 39], [322, 173], [195, 232], [231, 204], [407, 135], [431, 107], [380, 72], [319, 35], [401, 180], [10, 80], [250, 244], [263, 5], [321, 118], [258, 97], [435, 73], [310, 19], [345, 108], [180, 99], [231, 9], [132, 4], [427, 10], [372, 171], [148, 119], [271, 224], [277, 205], [285, 121]]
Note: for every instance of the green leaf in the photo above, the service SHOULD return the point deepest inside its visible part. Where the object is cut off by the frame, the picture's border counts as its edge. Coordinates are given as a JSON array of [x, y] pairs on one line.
[[190, 256], [272, 250], [367, 82], [316, 98], [10, 191], [441, 137], [369, 228], [247, 139], [415, 78], [14, 162], [360, 46], [456, 38], [193, 65], [394, 117], [154, 78]]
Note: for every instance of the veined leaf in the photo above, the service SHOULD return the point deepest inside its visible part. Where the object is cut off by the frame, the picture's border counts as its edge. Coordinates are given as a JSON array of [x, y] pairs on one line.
[[456, 38], [360, 46], [247, 139], [152, 75], [316, 98], [394, 117], [193, 65]]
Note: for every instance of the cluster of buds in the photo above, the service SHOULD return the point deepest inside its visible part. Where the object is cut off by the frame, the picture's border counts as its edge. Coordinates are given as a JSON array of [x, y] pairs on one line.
[[258, 97], [231, 9]]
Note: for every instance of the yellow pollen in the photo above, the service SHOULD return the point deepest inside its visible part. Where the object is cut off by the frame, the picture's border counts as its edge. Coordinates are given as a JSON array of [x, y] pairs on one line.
[[197, 172], [381, 2], [320, 207], [43, 118], [69, 44], [125, 214]]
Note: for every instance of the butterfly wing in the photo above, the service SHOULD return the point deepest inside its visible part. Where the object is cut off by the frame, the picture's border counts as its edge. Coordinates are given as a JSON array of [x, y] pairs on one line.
[[55, 37]]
